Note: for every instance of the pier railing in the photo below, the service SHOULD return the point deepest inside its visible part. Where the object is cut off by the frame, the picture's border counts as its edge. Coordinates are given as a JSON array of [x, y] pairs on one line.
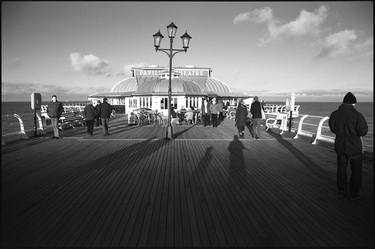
[[312, 126], [318, 131], [315, 127]]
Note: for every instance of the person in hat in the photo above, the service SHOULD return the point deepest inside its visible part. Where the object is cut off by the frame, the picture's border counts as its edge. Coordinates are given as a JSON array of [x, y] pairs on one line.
[[54, 111], [98, 105], [240, 118], [89, 115], [105, 114], [349, 125]]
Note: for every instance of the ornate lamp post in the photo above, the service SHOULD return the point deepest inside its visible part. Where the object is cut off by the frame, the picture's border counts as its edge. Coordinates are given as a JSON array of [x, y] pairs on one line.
[[172, 29]]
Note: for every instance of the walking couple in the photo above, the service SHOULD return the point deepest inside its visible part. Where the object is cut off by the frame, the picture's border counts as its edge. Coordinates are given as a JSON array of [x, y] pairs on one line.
[[251, 120]]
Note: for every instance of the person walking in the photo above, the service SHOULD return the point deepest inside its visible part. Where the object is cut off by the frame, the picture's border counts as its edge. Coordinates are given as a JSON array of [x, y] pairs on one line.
[[256, 112], [105, 114], [206, 112], [349, 125], [240, 118], [54, 111], [221, 110], [98, 105], [215, 110], [89, 115]]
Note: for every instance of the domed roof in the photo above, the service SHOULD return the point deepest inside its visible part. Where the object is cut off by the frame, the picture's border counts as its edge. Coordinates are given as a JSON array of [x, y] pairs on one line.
[[156, 85], [160, 86], [216, 86], [126, 85]]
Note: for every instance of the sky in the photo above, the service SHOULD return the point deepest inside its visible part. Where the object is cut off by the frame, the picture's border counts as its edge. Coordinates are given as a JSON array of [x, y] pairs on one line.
[[318, 50]]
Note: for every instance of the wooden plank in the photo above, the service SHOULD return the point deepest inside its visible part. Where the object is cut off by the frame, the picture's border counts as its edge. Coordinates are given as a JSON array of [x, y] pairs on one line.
[[171, 194]]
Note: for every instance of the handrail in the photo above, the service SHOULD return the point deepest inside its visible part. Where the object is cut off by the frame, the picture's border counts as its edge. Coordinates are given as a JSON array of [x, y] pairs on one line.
[[299, 130], [40, 128], [22, 127], [318, 135]]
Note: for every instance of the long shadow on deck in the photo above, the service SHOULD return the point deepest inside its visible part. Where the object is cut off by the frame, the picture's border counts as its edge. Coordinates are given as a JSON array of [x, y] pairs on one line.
[[314, 168], [236, 157], [183, 131]]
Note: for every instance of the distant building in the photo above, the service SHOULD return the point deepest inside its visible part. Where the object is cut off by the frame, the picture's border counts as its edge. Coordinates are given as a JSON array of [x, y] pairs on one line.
[[148, 88]]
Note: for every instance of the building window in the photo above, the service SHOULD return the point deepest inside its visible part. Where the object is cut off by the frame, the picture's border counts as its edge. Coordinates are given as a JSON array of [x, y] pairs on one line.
[[151, 102], [164, 103], [133, 103]]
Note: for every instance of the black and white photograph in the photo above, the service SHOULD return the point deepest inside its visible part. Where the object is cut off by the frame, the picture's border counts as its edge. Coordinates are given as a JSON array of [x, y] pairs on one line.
[[187, 124]]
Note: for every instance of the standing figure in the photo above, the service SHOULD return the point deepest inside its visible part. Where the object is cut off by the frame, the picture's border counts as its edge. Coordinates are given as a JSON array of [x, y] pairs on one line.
[[98, 105], [105, 114], [256, 112], [206, 112], [215, 110], [54, 111], [349, 125], [221, 110], [89, 115], [240, 118]]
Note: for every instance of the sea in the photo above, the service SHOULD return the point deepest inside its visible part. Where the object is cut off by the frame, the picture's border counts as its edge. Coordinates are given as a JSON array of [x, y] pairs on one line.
[[10, 124]]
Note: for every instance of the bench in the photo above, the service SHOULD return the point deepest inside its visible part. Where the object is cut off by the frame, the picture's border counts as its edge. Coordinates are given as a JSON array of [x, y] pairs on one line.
[[277, 120]]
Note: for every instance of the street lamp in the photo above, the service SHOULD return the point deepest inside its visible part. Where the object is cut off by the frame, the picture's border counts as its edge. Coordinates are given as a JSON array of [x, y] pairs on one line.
[[172, 29]]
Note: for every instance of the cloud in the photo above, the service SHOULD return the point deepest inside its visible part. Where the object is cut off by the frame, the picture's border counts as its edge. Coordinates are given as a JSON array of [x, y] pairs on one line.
[[307, 23], [367, 47], [90, 64], [262, 15], [242, 17], [258, 15], [22, 91], [338, 43], [335, 93]]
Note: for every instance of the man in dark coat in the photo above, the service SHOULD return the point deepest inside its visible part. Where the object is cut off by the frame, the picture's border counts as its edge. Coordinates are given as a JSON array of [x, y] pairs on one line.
[[256, 112], [105, 114], [241, 116], [206, 112], [89, 115], [54, 111], [349, 126], [97, 113]]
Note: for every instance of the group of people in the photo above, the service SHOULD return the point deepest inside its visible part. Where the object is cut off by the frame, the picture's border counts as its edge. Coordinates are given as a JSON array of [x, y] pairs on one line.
[[252, 118], [347, 123], [99, 114], [212, 112]]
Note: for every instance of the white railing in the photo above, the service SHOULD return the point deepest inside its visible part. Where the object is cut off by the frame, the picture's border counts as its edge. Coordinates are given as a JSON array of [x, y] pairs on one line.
[[275, 109], [40, 127], [318, 134], [22, 126], [277, 120]]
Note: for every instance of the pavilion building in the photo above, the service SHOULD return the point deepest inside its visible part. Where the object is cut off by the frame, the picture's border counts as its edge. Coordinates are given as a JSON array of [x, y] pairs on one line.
[[148, 88]]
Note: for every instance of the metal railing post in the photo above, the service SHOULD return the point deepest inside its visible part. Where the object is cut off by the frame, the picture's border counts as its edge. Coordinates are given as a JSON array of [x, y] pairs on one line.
[[22, 127], [300, 126], [40, 124], [319, 130]]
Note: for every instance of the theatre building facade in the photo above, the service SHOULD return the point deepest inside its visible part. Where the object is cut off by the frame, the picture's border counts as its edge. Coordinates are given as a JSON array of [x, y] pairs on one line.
[[148, 88]]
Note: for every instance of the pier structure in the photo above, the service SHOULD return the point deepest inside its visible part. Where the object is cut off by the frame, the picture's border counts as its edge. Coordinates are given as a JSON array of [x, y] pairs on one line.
[[148, 87], [203, 188]]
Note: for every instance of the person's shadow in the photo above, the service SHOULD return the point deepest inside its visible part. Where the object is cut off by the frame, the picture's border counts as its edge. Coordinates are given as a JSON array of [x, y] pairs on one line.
[[198, 176], [236, 159]]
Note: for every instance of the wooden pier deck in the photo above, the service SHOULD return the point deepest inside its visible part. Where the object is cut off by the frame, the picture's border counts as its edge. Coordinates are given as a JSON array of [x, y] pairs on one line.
[[135, 189]]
